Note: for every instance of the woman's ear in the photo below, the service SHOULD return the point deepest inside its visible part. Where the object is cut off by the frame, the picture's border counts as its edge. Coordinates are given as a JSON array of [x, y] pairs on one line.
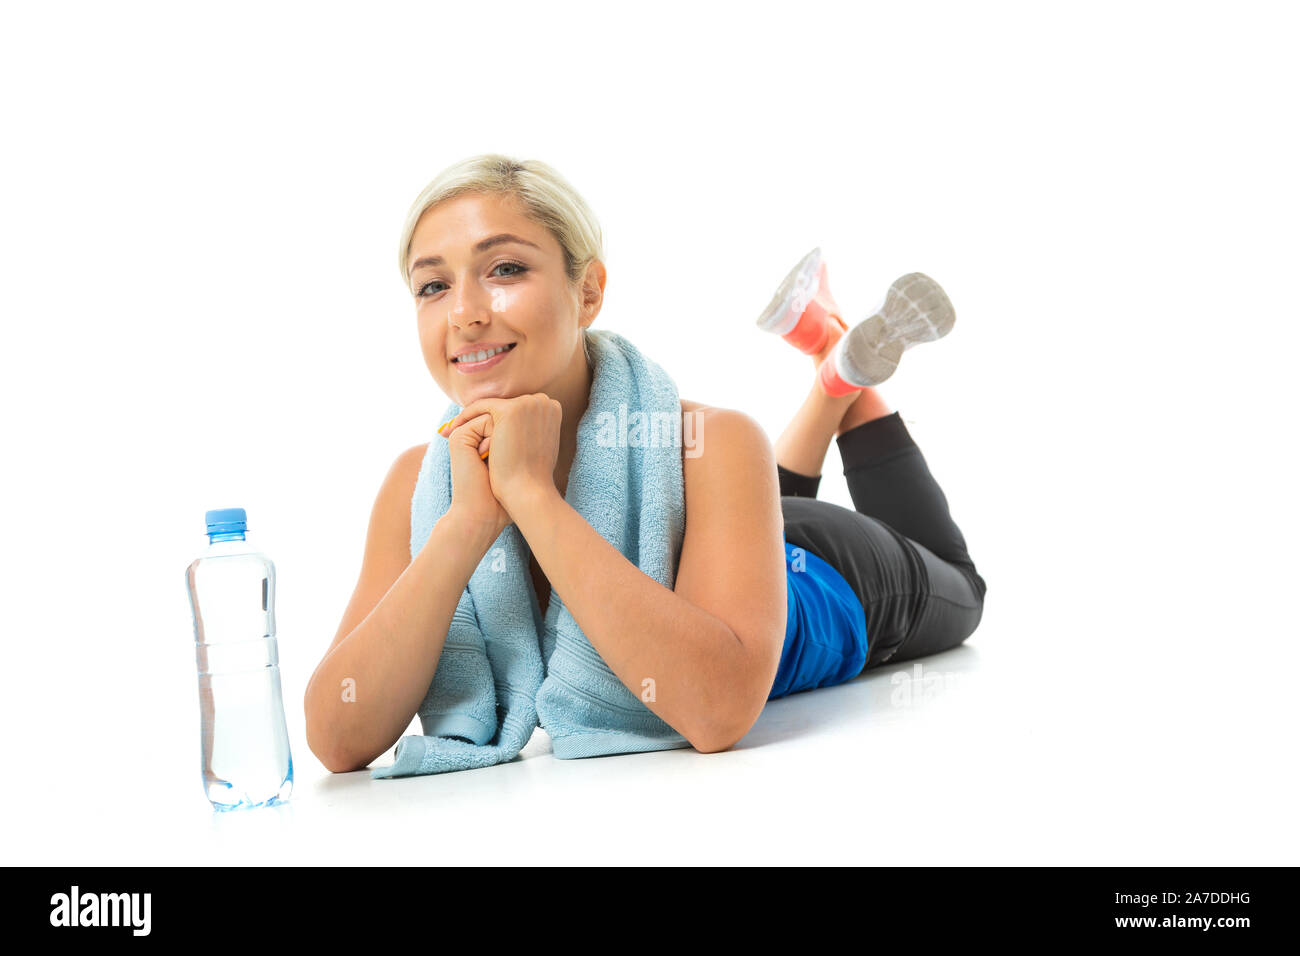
[[593, 290]]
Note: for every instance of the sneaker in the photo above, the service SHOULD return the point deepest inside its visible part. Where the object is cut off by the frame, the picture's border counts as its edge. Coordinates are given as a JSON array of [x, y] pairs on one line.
[[916, 310], [802, 308]]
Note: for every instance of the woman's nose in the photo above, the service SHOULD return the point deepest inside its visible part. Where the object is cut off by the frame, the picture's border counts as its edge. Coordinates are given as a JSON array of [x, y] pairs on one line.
[[468, 306]]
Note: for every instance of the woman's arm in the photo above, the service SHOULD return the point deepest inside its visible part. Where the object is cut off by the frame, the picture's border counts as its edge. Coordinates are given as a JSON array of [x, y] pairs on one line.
[[391, 637], [711, 645]]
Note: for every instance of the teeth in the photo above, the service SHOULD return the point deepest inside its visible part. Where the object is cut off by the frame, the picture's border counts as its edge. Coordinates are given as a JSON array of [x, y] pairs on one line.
[[481, 356]]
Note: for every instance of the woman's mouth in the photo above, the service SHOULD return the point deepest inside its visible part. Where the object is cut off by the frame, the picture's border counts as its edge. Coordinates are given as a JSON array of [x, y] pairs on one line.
[[477, 361]]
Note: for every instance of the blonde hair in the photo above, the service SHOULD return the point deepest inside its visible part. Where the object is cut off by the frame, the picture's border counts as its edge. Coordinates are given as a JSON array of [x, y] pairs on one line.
[[547, 197]]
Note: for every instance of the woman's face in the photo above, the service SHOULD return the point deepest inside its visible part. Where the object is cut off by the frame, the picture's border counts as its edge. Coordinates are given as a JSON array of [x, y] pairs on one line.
[[476, 290]]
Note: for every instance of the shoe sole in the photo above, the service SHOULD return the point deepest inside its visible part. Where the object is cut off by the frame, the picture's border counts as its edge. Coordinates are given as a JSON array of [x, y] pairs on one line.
[[916, 310], [797, 289]]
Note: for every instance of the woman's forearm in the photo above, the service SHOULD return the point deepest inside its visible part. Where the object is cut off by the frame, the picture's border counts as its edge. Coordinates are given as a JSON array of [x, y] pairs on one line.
[[684, 663], [364, 693]]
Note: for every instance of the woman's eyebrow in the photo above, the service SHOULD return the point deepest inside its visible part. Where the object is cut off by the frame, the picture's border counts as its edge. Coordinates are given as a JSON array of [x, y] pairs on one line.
[[478, 247]]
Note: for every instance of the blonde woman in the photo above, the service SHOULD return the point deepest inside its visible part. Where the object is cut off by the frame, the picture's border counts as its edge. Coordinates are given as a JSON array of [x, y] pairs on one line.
[[775, 592]]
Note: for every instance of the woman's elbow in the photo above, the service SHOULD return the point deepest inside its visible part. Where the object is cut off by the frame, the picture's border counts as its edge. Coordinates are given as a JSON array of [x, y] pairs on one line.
[[714, 736], [747, 699], [720, 741], [336, 761], [324, 745], [330, 759]]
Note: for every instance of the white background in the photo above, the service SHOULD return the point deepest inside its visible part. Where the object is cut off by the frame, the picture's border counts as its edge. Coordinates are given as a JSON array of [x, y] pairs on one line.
[[201, 207]]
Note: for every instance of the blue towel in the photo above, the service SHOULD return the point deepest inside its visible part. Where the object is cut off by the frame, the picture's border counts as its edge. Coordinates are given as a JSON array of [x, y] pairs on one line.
[[504, 668]]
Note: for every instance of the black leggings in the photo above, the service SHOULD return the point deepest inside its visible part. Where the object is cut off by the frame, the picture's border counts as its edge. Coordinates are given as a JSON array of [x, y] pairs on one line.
[[900, 551]]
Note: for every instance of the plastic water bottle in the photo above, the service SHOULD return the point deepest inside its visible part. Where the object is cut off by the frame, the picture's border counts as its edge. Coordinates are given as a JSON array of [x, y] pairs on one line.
[[246, 761]]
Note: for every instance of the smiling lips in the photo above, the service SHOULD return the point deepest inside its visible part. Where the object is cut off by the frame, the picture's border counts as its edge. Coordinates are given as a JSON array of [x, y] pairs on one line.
[[481, 359]]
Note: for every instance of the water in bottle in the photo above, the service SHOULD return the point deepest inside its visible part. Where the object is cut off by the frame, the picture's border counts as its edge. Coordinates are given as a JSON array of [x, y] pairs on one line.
[[245, 753]]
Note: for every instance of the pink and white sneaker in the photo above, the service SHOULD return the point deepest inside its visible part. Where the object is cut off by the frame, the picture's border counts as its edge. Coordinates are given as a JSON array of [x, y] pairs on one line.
[[802, 308]]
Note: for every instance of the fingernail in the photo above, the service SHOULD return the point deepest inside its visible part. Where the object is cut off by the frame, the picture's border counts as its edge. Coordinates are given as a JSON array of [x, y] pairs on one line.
[[445, 424], [485, 454]]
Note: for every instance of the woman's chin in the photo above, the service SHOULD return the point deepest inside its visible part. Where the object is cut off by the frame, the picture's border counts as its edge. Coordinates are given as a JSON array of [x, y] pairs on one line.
[[486, 390]]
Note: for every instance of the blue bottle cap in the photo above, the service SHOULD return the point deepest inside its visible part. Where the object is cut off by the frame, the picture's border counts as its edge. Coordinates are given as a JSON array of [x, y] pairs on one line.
[[227, 521]]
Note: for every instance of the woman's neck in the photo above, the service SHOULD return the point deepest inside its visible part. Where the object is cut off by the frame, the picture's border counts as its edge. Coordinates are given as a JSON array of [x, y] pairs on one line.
[[573, 391]]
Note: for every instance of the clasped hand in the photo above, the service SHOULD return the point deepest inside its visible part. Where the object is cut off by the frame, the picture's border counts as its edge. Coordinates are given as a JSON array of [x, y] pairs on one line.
[[521, 436]]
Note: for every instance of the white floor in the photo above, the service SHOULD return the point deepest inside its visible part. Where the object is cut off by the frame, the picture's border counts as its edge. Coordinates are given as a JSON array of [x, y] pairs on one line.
[[981, 755]]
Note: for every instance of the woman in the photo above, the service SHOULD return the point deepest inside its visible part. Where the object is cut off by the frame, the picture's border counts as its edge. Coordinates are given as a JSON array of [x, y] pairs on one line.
[[503, 259]]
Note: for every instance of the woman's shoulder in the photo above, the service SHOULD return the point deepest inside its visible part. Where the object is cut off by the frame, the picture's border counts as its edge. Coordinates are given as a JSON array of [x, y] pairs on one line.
[[717, 413], [404, 473], [409, 461], [735, 436]]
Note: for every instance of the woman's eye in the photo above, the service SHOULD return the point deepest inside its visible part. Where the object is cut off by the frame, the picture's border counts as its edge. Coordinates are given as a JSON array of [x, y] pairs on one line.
[[519, 268]]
